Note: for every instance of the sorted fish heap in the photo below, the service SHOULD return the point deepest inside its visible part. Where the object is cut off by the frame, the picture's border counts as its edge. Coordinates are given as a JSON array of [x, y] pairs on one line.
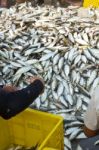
[[59, 46]]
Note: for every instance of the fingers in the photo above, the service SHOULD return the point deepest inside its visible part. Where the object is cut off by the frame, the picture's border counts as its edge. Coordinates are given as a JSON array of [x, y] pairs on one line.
[[32, 79], [9, 88]]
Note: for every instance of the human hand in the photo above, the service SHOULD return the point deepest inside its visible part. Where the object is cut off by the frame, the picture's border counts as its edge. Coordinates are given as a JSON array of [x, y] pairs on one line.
[[9, 88], [33, 79]]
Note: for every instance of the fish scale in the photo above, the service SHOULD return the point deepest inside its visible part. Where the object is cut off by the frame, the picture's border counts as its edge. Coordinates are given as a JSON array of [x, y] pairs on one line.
[[45, 41]]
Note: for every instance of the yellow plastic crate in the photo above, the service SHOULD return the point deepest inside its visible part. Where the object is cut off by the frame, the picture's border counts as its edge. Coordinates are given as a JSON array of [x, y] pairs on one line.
[[32, 127], [93, 3]]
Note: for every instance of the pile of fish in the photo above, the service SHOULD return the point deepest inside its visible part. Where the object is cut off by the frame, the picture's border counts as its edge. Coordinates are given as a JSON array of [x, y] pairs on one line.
[[59, 46]]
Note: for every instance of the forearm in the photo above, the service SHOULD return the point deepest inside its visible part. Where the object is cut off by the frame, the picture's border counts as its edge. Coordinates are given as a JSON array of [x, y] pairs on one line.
[[1, 86], [21, 99], [90, 133]]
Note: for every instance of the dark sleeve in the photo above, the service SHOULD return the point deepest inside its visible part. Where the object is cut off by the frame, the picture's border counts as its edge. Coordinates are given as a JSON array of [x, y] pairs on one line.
[[15, 102], [1, 86]]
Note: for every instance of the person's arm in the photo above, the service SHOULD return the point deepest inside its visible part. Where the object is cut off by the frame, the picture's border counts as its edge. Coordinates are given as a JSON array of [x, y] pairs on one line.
[[17, 101], [1, 86], [90, 133], [91, 119]]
